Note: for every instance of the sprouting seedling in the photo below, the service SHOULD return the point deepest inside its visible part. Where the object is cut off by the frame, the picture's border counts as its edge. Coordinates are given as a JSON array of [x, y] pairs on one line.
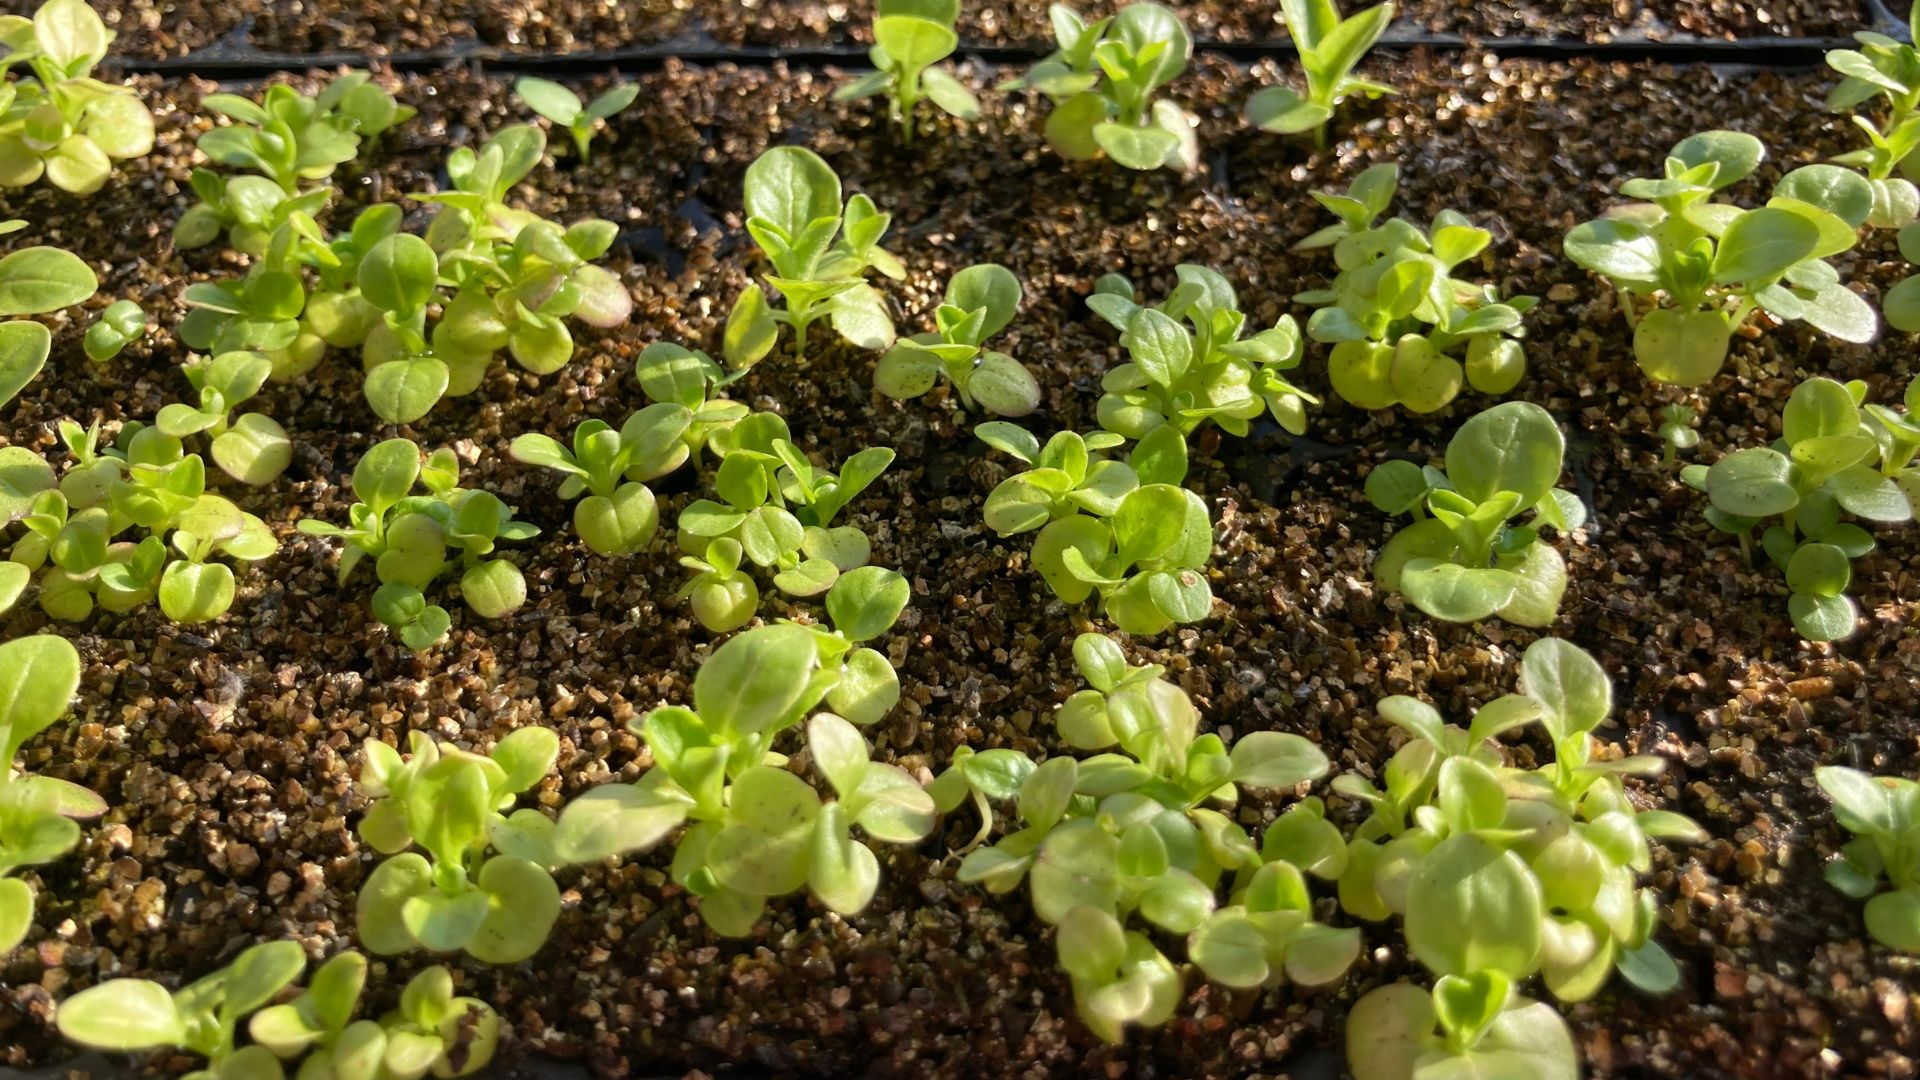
[[1330, 48], [61, 123], [672, 374], [618, 515], [863, 604], [118, 326], [1677, 432], [252, 448], [1480, 1025], [1883, 68], [564, 107], [910, 37], [34, 281], [1879, 864], [980, 302], [38, 677]]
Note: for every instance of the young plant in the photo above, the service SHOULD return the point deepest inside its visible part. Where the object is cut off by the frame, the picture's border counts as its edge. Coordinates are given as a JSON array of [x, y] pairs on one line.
[[266, 310], [1188, 363], [1881, 864], [1690, 271], [61, 122], [1468, 561], [1677, 432], [619, 515], [483, 885], [1102, 78], [821, 251], [1883, 68], [408, 537], [672, 374], [864, 603], [1399, 322], [122, 323], [910, 36], [251, 448], [1474, 1026], [564, 107], [1141, 828], [759, 830], [981, 301], [1831, 457], [38, 676], [34, 281], [1330, 47]]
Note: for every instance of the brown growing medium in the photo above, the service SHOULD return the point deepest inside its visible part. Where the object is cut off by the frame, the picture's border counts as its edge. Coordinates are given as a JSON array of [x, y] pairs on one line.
[[152, 29], [227, 752]]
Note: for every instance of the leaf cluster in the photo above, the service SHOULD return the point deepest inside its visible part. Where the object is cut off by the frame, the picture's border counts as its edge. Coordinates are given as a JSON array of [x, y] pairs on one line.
[[1882, 68], [60, 122], [38, 676], [1102, 78], [980, 302], [33, 281], [1881, 864], [563, 107], [909, 38], [1330, 48]]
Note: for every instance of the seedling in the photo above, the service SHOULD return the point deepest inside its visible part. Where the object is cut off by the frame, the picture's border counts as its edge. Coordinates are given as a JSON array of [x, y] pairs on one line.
[[821, 251], [118, 326], [864, 603], [671, 374], [1831, 457], [981, 301], [1399, 322], [618, 516], [1677, 432], [1189, 364], [38, 677], [251, 448], [408, 537], [1690, 271], [1878, 865], [1883, 68], [1102, 78], [564, 107], [1468, 561], [759, 830], [1476, 1026], [34, 281], [910, 36], [62, 123], [265, 311], [1330, 48]]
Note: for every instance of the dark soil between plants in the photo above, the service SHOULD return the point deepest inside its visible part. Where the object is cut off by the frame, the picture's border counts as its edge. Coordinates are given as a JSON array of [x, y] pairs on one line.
[[227, 752]]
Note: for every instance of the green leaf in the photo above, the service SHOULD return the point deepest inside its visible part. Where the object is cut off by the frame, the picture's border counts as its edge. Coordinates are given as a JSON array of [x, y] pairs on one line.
[[1682, 348], [399, 273], [122, 1015], [36, 280], [1616, 249], [549, 99], [1735, 153], [764, 847], [1574, 692], [1136, 147], [1514, 446], [758, 681], [1280, 110], [403, 391], [1822, 618], [791, 187], [914, 42], [1474, 907], [1753, 483], [865, 602], [1271, 759], [23, 354], [1761, 245]]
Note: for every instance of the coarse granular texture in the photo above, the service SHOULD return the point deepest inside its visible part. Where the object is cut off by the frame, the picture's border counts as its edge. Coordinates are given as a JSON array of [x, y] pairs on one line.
[[227, 751]]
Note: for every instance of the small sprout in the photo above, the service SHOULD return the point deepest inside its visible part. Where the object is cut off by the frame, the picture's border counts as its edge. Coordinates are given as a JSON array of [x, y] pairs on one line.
[[981, 301], [34, 281], [1699, 268], [251, 448], [1102, 78], [618, 516], [863, 604], [1475, 1026], [498, 907], [1677, 432], [61, 122], [1468, 561], [1189, 365], [1833, 456], [1877, 865], [671, 374], [117, 326], [564, 107], [910, 36], [821, 251], [1330, 48], [1400, 324], [38, 677]]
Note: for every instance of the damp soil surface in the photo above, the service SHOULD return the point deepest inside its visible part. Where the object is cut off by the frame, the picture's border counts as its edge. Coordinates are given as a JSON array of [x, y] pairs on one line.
[[227, 751]]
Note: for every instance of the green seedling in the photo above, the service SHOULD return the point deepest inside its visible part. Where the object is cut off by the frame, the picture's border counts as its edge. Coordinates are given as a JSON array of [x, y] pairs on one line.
[[1102, 78], [672, 374], [863, 604], [619, 515], [980, 302], [251, 448], [1677, 432], [61, 123], [38, 677], [1881, 864], [1883, 68], [564, 107], [909, 38], [1330, 48], [1476, 1026], [122, 323]]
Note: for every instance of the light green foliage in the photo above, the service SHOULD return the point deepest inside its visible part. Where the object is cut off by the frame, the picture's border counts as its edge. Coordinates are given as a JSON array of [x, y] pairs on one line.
[[758, 830], [1901, 304], [1127, 529], [1677, 432], [1699, 267], [120, 324], [864, 603], [981, 301], [1188, 363], [60, 122], [821, 250], [252, 448], [1473, 1027], [672, 374], [910, 37], [145, 481], [1464, 559], [267, 310], [1102, 78], [34, 281], [1400, 323], [564, 107], [1330, 48], [38, 676], [278, 142], [618, 515], [1881, 864], [1141, 828], [1883, 68], [483, 885], [1832, 456], [410, 537], [431, 1032]]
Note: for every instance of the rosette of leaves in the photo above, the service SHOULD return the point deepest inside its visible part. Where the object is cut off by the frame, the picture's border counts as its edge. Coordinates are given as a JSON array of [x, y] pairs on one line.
[[483, 885], [266, 310], [118, 326], [1690, 270], [1464, 558], [282, 140], [1188, 364], [1879, 865], [1400, 323], [618, 515], [61, 122], [863, 604], [1102, 78], [34, 281], [1476, 1026], [909, 38], [1882, 68], [758, 830], [409, 537], [1330, 48], [38, 814], [672, 374], [820, 250], [1138, 829], [252, 448], [1831, 458], [581, 119], [980, 302]]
